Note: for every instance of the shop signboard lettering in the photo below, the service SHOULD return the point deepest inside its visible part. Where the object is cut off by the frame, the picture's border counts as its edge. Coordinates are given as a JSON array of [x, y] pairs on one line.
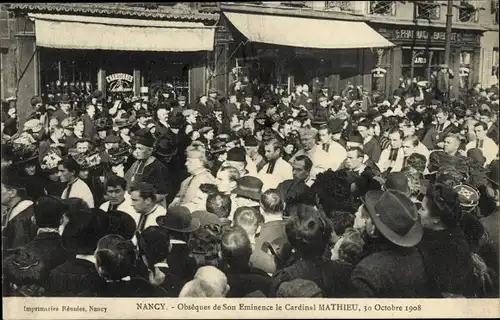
[[407, 34], [120, 82], [419, 58]]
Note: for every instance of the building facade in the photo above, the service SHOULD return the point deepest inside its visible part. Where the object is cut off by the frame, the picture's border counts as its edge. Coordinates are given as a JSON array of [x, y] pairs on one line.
[[298, 42], [489, 43], [418, 29], [116, 48]]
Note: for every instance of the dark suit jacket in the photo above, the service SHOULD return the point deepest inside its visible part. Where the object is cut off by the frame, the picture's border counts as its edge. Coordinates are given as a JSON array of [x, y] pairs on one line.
[[432, 138], [493, 133], [244, 282], [89, 130], [74, 278], [20, 230], [268, 232], [48, 247], [372, 149], [292, 190]]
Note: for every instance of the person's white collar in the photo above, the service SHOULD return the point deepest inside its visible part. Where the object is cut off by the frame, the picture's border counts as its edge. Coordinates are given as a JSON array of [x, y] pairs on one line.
[[47, 230], [271, 217], [89, 258], [367, 139]]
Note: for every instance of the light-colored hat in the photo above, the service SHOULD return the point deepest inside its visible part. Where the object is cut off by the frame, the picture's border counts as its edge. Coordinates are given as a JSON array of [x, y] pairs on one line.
[[32, 125]]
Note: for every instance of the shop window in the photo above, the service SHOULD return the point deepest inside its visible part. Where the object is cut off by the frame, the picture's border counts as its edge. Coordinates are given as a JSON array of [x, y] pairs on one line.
[[383, 8], [346, 6], [421, 64], [467, 13], [427, 11]]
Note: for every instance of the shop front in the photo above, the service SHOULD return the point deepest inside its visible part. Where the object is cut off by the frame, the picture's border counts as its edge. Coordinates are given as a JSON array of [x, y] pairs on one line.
[[420, 51], [118, 56], [283, 51]]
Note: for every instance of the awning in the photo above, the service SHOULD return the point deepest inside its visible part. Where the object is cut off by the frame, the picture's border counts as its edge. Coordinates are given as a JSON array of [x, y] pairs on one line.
[[307, 32], [82, 32]]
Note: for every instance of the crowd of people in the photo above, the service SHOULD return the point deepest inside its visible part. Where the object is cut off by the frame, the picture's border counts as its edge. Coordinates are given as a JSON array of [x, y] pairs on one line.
[[254, 193]]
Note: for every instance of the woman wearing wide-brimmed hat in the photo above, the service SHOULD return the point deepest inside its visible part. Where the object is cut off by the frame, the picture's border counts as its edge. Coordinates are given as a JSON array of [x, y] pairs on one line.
[[392, 267]]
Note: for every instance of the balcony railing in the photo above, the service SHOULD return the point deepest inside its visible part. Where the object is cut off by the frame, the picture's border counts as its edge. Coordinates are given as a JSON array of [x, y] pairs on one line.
[[428, 11], [344, 6], [467, 13], [382, 8]]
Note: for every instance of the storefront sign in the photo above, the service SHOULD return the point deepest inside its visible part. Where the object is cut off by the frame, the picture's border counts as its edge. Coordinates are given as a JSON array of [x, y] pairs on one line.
[[419, 58], [407, 34], [120, 82]]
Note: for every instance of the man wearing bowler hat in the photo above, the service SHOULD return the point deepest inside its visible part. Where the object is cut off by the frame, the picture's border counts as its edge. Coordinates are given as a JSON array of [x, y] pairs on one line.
[[246, 194], [396, 268], [179, 106], [180, 223]]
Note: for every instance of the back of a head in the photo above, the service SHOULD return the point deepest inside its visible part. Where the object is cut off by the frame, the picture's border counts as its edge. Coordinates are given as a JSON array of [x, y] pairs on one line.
[[219, 204], [214, 278], [248, 218], [115, 257], [351, 248], [196, 288], [397, 181], [271, 202], [309, 234], [48, 212], [236, 248]]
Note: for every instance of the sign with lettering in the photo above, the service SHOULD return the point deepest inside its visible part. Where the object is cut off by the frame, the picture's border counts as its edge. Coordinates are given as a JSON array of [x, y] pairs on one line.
[[407, 34], [120, 82], [419, 58]]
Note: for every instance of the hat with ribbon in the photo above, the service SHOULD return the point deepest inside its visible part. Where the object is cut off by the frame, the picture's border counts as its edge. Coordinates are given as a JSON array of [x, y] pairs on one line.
[[111, 139], [395, 216], [119, 155], [178, 218], [249, 187], [50, 160], [124, 120], [335, 125], [236, 154]]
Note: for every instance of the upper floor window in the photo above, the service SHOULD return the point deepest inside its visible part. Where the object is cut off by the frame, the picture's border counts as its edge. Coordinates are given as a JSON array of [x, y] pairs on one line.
[[494, 10], [5, 24], [428, 10], [467, 12], [384, 8], [347, 6]]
